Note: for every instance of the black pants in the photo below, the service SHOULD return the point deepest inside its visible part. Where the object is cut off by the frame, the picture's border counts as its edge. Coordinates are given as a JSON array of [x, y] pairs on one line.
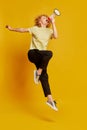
[[41, 59]]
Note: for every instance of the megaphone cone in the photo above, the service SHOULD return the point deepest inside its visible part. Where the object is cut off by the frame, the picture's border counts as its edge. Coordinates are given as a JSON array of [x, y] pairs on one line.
[[56, 12]]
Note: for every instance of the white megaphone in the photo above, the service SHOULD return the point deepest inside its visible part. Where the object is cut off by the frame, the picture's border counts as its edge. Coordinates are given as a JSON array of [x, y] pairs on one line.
[[56, 12]]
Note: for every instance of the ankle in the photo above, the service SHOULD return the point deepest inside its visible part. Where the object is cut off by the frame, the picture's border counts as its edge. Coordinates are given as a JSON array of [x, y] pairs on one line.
[[50, 99], [39, 72]]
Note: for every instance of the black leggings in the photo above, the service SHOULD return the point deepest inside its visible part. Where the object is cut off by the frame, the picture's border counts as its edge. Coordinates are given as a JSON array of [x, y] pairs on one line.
[[41, 58]]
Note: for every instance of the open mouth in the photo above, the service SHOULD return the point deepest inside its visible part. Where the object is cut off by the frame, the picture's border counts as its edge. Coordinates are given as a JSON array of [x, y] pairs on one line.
[[48, 20]]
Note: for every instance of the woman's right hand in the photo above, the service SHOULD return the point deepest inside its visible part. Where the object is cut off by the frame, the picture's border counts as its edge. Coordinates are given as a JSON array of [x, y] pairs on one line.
[[52, 18]]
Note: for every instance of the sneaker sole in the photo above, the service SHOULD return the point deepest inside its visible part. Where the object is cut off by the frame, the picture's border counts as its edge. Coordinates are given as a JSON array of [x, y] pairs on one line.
[[51, 106]]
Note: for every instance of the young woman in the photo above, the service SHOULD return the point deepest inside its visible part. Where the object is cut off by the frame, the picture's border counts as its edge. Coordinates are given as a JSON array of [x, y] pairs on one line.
[[38, 53]]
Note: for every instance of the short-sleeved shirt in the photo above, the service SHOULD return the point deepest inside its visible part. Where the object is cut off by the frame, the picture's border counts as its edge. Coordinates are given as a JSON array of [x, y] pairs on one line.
[[40, 37]]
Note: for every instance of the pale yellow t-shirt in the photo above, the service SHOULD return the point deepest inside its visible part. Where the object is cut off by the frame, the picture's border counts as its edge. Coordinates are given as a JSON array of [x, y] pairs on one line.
[[40, 37]]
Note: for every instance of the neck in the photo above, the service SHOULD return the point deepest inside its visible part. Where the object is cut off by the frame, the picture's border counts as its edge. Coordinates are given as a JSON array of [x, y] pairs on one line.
[[42, 25]]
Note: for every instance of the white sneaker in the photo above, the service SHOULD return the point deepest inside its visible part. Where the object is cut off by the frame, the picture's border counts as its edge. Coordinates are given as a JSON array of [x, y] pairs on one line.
[[52, 105], [36, 77]]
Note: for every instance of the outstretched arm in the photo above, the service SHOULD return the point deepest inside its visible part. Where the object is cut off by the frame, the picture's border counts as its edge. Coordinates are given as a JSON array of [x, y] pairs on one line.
[[21, 30]]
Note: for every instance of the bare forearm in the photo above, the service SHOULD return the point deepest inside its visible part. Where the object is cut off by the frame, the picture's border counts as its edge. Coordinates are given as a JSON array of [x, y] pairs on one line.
[[55, 33], [17, 29]]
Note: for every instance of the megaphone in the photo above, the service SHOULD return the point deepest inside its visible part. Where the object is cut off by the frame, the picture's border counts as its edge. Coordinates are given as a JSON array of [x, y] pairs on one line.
[[55, 13]]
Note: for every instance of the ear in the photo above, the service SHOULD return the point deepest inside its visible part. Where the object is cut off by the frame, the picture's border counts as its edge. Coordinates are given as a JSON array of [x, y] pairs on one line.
[[39, 23]]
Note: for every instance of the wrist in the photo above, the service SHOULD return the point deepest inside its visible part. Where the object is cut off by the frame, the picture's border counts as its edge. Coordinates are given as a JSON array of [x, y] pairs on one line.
[[10, 29]]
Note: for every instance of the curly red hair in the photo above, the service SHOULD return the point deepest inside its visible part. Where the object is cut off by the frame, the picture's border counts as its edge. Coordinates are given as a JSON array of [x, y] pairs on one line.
[[37, 23]]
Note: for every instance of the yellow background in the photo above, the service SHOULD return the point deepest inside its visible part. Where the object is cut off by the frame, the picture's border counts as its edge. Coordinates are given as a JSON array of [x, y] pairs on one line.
[[22, 103]]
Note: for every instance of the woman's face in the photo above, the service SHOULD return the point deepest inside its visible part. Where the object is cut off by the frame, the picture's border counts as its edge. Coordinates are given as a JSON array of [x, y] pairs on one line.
[[44, 20]]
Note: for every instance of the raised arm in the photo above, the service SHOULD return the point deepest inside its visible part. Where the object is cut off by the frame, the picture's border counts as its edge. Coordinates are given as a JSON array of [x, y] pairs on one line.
[[21, 30], [55, 33]]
